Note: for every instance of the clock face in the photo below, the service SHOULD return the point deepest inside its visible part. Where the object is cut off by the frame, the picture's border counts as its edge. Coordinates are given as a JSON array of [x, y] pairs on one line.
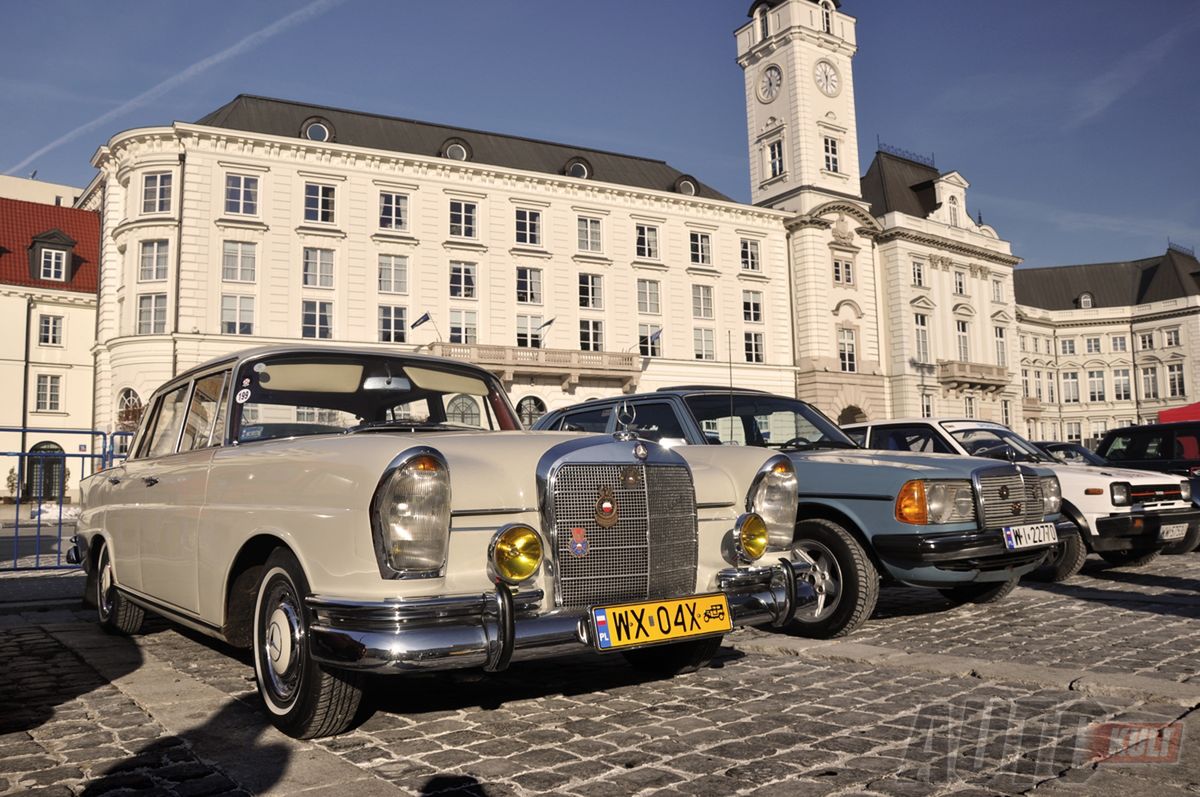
[[770, 83], [828, 80]]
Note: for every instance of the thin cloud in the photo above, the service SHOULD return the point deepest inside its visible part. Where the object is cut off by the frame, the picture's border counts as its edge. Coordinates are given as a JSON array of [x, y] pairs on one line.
[[297, 17], [1076, 221]]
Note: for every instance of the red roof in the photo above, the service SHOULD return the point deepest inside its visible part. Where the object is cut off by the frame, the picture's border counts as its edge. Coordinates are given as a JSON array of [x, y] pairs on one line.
[[21, 221]]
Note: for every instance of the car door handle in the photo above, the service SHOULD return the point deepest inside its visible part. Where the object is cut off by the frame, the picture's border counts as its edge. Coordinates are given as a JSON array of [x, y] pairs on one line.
[[113, 480], [150, 481]]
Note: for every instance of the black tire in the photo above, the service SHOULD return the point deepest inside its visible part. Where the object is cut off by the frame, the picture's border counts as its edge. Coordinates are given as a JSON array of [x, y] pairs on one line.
[[991, 592], [304, 699], [1134, 558], [1065, 560], [846, 580], [676, 658], [1189, 543], [117, 614]]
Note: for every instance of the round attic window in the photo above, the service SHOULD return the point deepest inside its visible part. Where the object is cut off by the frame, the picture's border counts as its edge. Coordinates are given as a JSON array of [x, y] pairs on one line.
[[456, 152], [686, 186], [317, 131], [578, 169]]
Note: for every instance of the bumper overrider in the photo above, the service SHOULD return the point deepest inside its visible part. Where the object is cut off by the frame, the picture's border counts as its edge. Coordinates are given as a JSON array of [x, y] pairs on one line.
[[492, 629], [977, 549], [1133, 530]]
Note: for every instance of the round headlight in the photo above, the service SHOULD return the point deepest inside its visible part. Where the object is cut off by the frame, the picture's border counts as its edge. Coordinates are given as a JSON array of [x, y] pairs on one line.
[[752, 536], [774, 496], [515, 553]]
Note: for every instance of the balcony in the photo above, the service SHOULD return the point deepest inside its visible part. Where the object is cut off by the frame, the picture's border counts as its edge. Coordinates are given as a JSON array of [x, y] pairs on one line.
[[1031, 405], [955, 375], [513, 362]]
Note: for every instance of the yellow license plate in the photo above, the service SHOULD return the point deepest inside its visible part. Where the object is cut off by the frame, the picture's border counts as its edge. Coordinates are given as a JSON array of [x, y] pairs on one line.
[[633, 624]]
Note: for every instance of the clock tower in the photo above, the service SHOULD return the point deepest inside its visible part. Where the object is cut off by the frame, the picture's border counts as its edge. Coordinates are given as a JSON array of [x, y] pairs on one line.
[[797, 59]]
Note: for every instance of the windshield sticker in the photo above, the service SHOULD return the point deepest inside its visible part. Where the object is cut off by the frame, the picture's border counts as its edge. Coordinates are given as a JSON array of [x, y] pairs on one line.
[[243, 395]]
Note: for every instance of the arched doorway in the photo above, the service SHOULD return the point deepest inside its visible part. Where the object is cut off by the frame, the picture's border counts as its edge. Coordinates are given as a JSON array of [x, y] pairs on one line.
[[529, 409], [129, 410], [464, 410], [45, 473], [851, 414]]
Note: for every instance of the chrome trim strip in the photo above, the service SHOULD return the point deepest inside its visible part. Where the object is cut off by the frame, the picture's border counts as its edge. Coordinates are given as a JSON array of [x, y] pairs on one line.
[[715, 504], [512, 510], [174, 615]]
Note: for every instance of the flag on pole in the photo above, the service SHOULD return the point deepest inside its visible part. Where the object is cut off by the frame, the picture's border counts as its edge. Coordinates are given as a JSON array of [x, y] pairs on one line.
[[545, 324], [424, 317], [656, 335]]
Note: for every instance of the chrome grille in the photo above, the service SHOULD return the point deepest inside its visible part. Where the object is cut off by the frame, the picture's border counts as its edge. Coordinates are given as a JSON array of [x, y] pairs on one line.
[[999, 510], [651, 551]]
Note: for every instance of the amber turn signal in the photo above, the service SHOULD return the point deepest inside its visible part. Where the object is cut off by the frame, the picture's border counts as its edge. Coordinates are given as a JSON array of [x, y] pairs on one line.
[[911, 506]]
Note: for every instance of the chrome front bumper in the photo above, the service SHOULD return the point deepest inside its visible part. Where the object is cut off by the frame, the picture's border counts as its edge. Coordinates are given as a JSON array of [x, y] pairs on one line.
[[492, 629]]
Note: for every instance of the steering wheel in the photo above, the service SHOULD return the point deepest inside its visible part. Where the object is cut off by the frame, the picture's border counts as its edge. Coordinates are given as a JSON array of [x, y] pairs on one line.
[[796, 442]]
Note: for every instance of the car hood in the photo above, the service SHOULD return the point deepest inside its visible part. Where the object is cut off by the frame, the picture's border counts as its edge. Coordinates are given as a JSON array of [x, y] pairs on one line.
[[1112, 474], [908, 464]]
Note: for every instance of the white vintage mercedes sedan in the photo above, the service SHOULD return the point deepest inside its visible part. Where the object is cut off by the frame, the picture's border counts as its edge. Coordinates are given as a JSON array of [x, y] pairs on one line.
[[345, 511]]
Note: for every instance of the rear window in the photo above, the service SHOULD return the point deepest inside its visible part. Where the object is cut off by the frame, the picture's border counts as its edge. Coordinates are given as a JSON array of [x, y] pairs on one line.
[[1143, 444]]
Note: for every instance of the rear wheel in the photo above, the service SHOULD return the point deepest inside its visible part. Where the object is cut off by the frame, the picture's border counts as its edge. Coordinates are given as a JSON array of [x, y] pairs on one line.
[[842, 575], [305, 699], [991, 592], [117, 614], [1065, 560], [676, 658], [1135, 558]]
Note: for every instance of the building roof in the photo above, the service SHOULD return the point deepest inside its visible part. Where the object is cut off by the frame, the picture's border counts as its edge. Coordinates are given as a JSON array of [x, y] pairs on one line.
[[894, 183], [1171, 275], [375, 131], [21, 222]]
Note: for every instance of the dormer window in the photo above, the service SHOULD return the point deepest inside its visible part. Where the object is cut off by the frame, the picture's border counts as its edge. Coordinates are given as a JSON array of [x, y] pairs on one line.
[[456, 149], [317, 129], [827, 17], [953, 211], [686, 185], [578, 168], [54, 265], [52, 257], [1086, 302]]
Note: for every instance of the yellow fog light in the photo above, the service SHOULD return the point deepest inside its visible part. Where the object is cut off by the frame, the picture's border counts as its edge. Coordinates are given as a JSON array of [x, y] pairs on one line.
[[752, 536], [515, 553]]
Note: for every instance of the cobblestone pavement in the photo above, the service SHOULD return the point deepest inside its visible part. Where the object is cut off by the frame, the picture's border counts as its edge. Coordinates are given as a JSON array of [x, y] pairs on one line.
[[925, 699]]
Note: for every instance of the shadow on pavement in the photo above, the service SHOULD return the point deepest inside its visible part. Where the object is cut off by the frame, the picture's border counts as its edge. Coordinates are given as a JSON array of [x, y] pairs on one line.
[[456, 785], [1169, 605], [1143, 579]]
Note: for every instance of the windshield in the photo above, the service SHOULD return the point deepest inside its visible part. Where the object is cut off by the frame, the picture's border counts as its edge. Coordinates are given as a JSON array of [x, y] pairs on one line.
[[331, 393], [765, 421], [998, 444], [1073, 454]]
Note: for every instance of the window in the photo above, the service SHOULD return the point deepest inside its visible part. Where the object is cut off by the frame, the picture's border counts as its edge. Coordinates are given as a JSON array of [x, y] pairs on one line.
[[153, 264], [964, 341], [393, 274], [1074, 431], [754, 347], [589, 234], [843, 272], [529, 409], [831, 154], [1024, 383], [764, 24], [238, 261], [997, 290], [241, 195], [316, 319], [953, 211], [462, 280], [129, 411], [1037, 385], [53, 265], [752, 306], [1023, 342], [750, 258], [152, 314], [960, 283], [703, 344], [847, 350], [156, 193], [826, 17], [1171, 337], [1067, 346], [1092, 345], [237, 315], [50, 330], [529, 331], [393, 211], [464, 410], [921, 322], [1098, 429], [918, 269], [702, 301], [463, 327], [1070, 387], [1095, 386], [1051, 380], [969, 406], [393, 322], [701, 248], [1006, 412], [775, 158], [1086, 302], [1119, 344], [650, 340], [648, 297], [318, 268], [591, 335], [49, 393], [1122, 384], [318, 203], [1001, 347], [529, 285], [647, 241], [529, 227], [1175, 381], [594, 420], [926, 405], [462, 218], [591, 291], [1146, 341]]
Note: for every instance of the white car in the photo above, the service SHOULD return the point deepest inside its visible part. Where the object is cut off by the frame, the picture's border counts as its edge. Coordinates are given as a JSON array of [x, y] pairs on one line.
[[1125, 516]]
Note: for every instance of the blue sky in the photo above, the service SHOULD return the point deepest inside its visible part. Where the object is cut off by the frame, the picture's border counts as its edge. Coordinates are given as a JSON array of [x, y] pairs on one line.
[[1075, 120]]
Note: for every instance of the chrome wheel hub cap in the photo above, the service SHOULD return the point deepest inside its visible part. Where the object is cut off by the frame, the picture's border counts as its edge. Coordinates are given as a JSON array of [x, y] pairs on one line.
[[824, 575]]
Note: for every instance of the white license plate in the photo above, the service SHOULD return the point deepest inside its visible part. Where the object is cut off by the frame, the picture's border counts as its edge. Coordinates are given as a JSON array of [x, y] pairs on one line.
[[1174, 531], [1031, 536]]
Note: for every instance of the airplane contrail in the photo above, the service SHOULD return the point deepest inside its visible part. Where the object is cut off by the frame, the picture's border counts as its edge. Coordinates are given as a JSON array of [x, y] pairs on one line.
[[297, 17]]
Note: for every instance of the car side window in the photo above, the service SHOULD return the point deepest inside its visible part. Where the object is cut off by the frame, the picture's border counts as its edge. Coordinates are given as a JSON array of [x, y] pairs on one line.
[[203, 411], [1118, 448], [167, 423], [1187, 444], [594, 420], [857, 435], [656, 421]]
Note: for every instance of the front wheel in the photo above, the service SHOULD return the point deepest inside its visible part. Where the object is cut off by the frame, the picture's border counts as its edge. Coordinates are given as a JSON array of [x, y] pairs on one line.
[[1189, 543], [676, 658], [842, 575], [992, 592], [305, 700], [116, 613], [1135, 558], [1065, 560]]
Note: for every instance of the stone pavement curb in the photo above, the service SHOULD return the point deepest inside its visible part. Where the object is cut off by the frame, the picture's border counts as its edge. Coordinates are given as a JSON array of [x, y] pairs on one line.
[[242, 744]]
